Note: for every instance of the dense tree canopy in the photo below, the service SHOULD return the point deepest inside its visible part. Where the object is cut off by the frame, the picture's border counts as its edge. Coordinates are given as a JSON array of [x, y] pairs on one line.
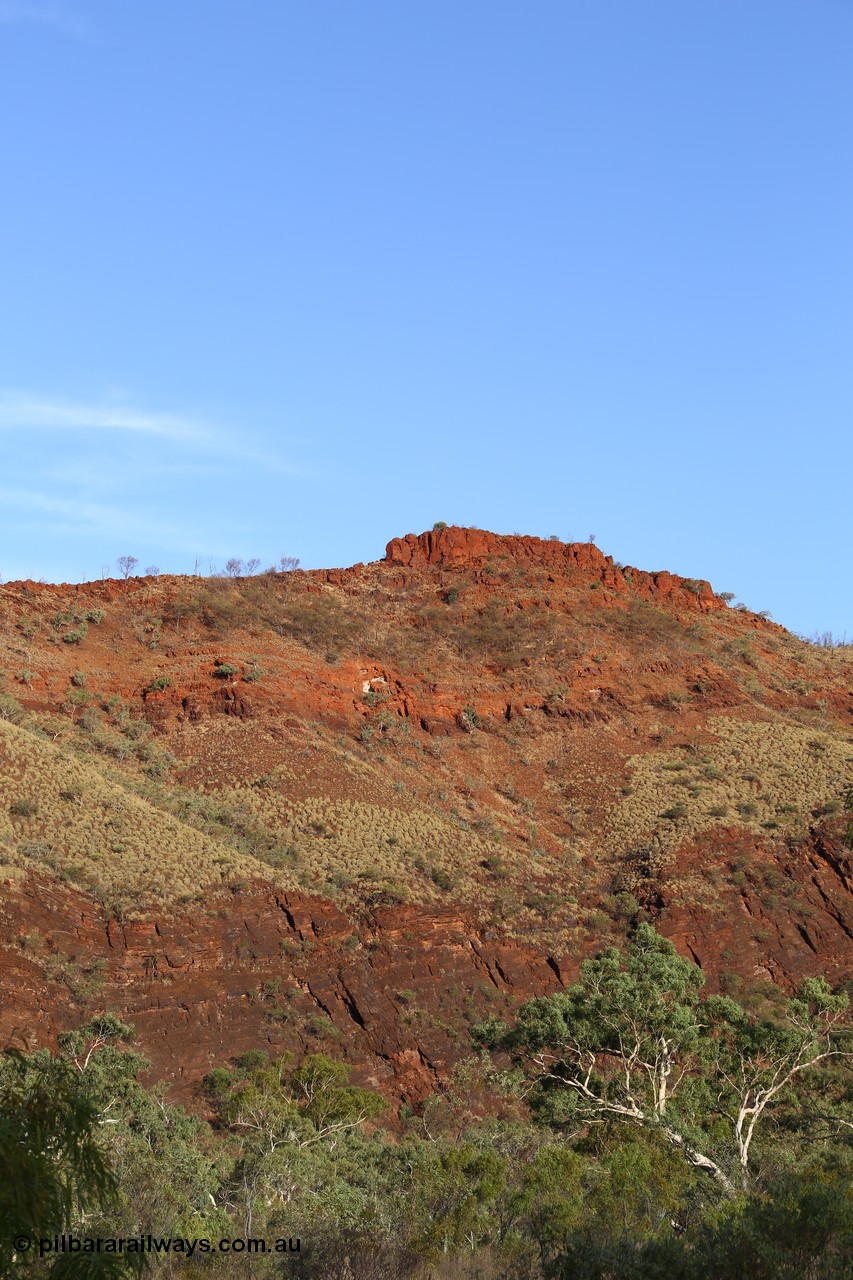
[[634, 1128], [636, 1041]]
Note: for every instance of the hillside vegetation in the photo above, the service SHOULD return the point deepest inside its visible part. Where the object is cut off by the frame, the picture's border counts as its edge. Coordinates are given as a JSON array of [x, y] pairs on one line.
[[479, 742]]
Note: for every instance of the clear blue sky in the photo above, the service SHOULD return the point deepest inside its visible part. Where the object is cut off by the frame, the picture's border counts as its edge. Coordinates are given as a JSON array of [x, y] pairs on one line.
[[299, 276]]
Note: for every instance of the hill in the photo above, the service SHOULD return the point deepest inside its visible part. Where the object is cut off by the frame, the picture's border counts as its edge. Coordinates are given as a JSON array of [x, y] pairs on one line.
[[360, 808]]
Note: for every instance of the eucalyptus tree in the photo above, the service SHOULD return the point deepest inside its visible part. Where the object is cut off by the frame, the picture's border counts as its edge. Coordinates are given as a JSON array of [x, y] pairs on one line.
[[635, 1042], [55, 1170]]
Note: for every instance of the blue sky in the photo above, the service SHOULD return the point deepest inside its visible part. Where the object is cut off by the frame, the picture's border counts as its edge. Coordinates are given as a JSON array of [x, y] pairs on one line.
[[287, 277]]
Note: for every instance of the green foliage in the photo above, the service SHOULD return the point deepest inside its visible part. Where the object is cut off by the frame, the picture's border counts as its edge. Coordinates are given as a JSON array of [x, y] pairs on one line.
[[674, 812], [121, 1140], [504, 638], [10, 709], [442, 879], [53, 1166], [85, 1147], [23, 808], [278, 1103], [77, 635], [469, 720], [800, 1228], [159, 683], [634, 1042]]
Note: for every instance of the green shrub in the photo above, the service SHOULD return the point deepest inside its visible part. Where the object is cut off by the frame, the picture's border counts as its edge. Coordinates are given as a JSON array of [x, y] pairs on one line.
[[597, 921], [158, 684], [320, 622], [675, 812], [442, 879], [74, 637], [506, 638], [625, 905], [249, 1061], [23, 808]]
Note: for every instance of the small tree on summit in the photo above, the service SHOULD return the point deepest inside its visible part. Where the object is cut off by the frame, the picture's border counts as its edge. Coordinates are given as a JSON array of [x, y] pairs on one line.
[[126, 565]]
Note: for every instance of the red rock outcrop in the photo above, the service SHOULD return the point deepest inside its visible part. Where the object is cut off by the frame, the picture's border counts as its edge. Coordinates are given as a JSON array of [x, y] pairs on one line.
[[456, 547], [261, 968], [441, 675]]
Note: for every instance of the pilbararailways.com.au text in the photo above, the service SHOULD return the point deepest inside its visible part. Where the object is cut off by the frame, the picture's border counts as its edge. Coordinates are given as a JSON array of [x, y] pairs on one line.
[[45, 1246]]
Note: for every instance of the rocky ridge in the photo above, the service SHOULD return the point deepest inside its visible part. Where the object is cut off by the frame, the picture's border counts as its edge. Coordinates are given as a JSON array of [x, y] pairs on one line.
[[451, 774]]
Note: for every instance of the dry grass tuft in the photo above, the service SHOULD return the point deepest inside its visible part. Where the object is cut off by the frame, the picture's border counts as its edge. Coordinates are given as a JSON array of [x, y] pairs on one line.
[[60, 813], [773, 776]]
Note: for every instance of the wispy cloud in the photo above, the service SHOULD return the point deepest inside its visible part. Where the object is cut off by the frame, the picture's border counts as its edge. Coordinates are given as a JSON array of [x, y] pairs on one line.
[[45, 15], [114, 473], [52, 517], [24, 411], [97, 517]]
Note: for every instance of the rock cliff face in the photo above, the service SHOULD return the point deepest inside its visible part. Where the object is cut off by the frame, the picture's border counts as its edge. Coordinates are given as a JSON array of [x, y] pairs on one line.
[[412, 793], [264, 969], [456, 548], [472, 549]]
